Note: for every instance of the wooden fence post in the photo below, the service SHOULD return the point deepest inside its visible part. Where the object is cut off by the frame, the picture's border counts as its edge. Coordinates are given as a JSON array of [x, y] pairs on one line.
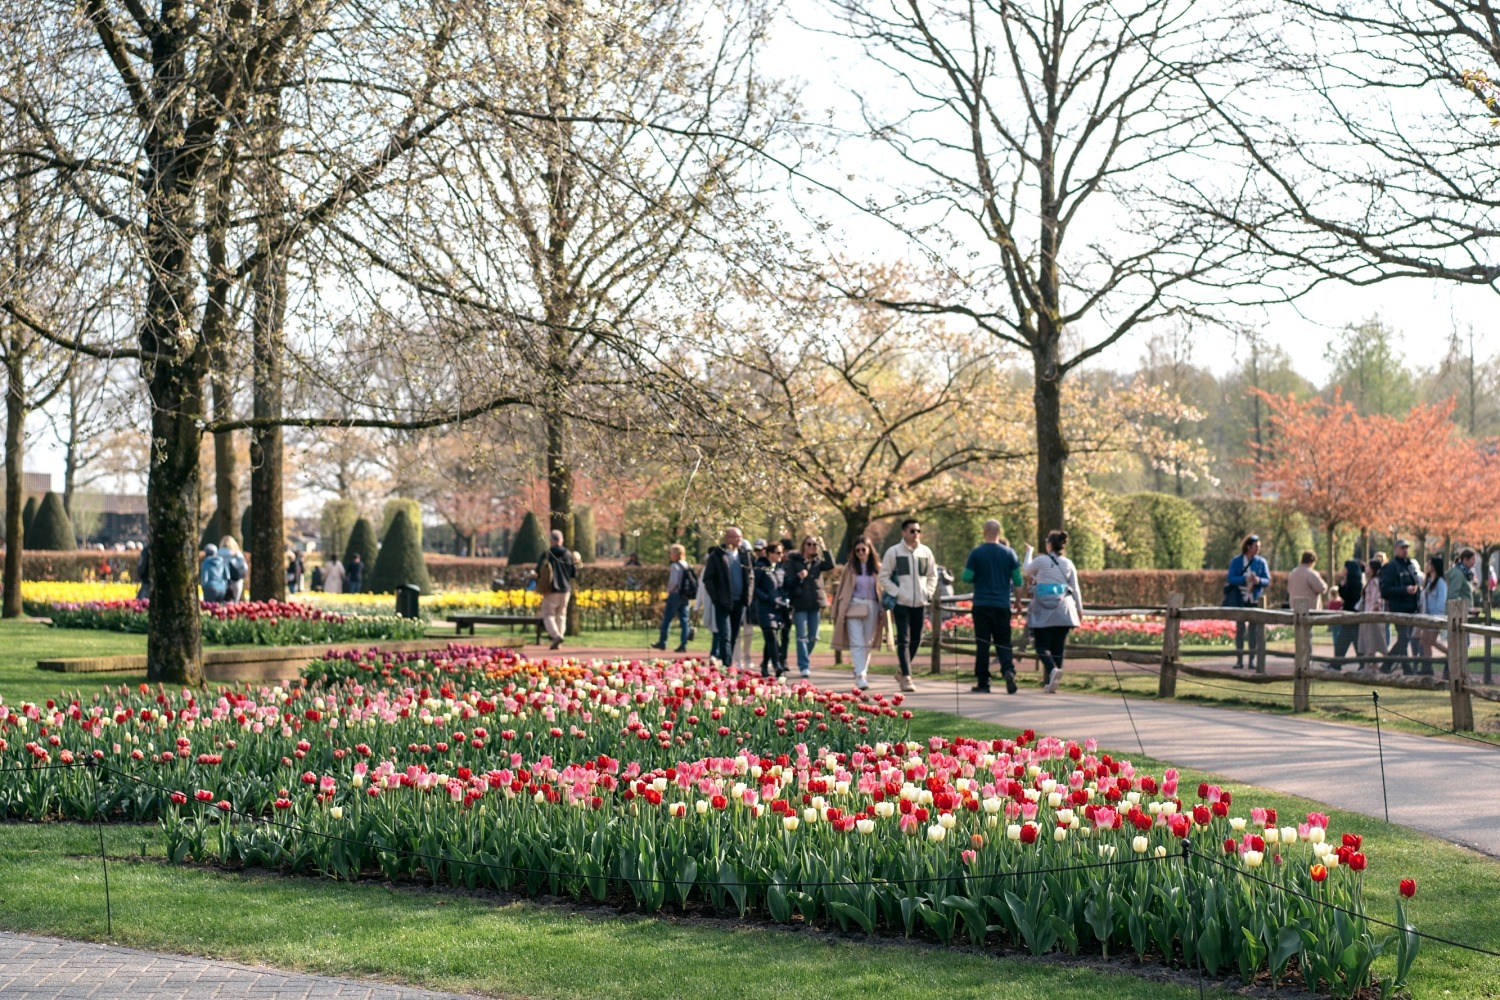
[[1302, 654], [1171, 642], [1458, 666], [935, 613]]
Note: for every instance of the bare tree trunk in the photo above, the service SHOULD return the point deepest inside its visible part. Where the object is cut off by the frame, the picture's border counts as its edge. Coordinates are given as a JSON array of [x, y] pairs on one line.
[[15, 444], [1051, 446], [267, 544]]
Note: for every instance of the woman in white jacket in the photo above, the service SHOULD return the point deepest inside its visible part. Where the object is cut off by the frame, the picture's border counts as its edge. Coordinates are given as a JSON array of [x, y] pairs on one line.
[[1056, 605], [333, 577]]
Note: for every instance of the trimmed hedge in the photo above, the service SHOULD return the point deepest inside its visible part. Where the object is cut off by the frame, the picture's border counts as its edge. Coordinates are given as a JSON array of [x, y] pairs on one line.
[[400, 559], [28, 514], [1158, 531], [335, 524], [361, 540], [388, 516], [529, 543], [585, 533], [51, 530]]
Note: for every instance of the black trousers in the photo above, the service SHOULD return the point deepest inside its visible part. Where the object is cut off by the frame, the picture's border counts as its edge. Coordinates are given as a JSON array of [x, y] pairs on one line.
[[1050, 643], [774, 635], [909, 622], [1344, 637], [991, 628], [1405, 646]]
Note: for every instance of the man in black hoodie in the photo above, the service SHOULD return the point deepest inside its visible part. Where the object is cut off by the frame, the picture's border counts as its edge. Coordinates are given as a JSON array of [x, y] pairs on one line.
[[1400, 585]]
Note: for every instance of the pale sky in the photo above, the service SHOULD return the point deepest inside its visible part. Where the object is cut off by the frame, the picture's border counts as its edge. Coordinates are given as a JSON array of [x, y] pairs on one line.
[[824, 69]]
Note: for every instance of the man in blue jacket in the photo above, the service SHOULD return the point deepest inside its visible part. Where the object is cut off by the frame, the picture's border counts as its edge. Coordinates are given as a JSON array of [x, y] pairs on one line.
[[993, 568]]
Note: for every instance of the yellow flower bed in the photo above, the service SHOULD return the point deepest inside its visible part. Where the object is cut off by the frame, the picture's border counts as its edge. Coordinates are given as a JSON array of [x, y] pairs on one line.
[[52, 592], [449, 600]]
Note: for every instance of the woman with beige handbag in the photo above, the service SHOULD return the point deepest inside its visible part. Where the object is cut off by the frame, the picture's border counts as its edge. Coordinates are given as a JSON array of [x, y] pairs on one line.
[[858, 620]]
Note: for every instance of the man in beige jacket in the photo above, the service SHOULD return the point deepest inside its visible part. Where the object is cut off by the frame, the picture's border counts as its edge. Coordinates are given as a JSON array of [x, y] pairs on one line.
[[1304, 581]]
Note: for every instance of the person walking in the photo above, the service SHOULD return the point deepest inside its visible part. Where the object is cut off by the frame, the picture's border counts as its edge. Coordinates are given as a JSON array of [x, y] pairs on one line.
[[804, 581], [1373, 639], [1056, 605], [908, 576], [1434, 602], [1462, 579], [354, 574], [555, 572], [858, 624], [727, 584], [1246, 582], [1305, 581], [333, 577], [772, 610], [214, 575], [239, 569], [143, 574], [682, 588], [993, 568], [1401, 586], [1351, 588]]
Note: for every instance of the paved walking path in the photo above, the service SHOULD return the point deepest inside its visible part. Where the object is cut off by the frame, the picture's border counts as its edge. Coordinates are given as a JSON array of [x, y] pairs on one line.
[[39, 968]]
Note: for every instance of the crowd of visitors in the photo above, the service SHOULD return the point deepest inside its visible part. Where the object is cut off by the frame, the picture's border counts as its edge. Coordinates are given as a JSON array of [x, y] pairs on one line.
[[779, 588]]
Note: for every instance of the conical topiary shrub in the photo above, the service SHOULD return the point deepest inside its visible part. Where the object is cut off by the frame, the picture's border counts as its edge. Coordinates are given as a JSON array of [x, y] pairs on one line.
[[585, 537], [361, 540], [400, 560], [51, 530], [335, 525], [529, 544], [28, 514]]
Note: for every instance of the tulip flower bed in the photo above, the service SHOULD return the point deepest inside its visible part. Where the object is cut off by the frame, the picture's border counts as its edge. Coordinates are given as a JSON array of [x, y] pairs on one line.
[[258, 623], [1131, 630], [680, 784]]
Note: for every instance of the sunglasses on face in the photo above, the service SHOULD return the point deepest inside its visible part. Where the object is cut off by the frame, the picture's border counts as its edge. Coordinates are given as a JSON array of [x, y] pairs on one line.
[[913, 531]]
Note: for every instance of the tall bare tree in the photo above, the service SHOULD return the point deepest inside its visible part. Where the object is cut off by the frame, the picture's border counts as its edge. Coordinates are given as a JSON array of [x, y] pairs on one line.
[[1037, 143]]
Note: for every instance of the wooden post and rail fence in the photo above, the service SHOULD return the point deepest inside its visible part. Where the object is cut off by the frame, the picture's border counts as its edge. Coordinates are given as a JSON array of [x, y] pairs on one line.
[[1302, 619]]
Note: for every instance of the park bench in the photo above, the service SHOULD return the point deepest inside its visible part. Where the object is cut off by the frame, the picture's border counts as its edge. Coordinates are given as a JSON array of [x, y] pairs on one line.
[[460, 622]]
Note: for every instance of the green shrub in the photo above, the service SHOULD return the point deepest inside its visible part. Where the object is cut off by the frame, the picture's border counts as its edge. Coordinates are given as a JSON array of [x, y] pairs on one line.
[[245, 527], [28, 515], [413, 512], [1085, 548], [335, 524], [950, 534], [1155, 531], [529, 544], [585, 535], [361, 540], [400, 559], [51, 530]]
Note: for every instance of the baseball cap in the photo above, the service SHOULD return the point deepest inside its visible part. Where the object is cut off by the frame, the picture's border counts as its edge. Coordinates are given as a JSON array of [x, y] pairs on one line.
[[1402, 543], [760, 543]]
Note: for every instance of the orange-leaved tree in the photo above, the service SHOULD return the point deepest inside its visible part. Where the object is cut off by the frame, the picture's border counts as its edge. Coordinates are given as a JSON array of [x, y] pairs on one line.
[[1325, 460]]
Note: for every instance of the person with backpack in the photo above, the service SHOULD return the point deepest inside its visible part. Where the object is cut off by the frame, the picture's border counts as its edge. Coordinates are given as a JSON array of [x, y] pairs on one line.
[[214, 576], [682, 590], [229, 551], [1056, 605], [554, 581]]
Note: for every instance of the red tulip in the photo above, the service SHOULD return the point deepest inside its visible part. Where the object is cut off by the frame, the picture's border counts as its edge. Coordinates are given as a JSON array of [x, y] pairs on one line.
[[1201, 815], [1408, 887], [1028, 833], [1319, 873], [1357, 862]]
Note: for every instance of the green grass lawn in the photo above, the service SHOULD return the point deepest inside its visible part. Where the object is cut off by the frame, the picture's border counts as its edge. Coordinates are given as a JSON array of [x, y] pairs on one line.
[[23, 642]]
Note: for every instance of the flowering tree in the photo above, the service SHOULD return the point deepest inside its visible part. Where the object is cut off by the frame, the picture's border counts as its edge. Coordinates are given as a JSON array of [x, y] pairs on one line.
[[1326, 460]]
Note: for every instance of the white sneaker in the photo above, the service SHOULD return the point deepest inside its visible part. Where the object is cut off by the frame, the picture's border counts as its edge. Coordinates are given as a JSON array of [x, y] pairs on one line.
[[860, 682], [905, 683], [1051, 687]]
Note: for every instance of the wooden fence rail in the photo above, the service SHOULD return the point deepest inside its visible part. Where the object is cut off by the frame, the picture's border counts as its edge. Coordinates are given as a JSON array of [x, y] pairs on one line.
[[1302, 619]]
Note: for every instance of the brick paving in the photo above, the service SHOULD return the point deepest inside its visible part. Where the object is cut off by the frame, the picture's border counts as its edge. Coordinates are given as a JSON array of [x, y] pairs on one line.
[[38, 968]]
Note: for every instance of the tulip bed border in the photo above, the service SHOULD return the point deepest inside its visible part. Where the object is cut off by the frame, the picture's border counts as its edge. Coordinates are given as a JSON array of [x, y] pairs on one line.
[[1038, 843]]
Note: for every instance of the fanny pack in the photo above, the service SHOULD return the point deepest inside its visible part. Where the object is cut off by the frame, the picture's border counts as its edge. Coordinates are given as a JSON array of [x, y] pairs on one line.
[[1050, 589]]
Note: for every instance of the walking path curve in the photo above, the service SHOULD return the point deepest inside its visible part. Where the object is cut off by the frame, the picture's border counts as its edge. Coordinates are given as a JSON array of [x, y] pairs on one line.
[[40, 968]]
